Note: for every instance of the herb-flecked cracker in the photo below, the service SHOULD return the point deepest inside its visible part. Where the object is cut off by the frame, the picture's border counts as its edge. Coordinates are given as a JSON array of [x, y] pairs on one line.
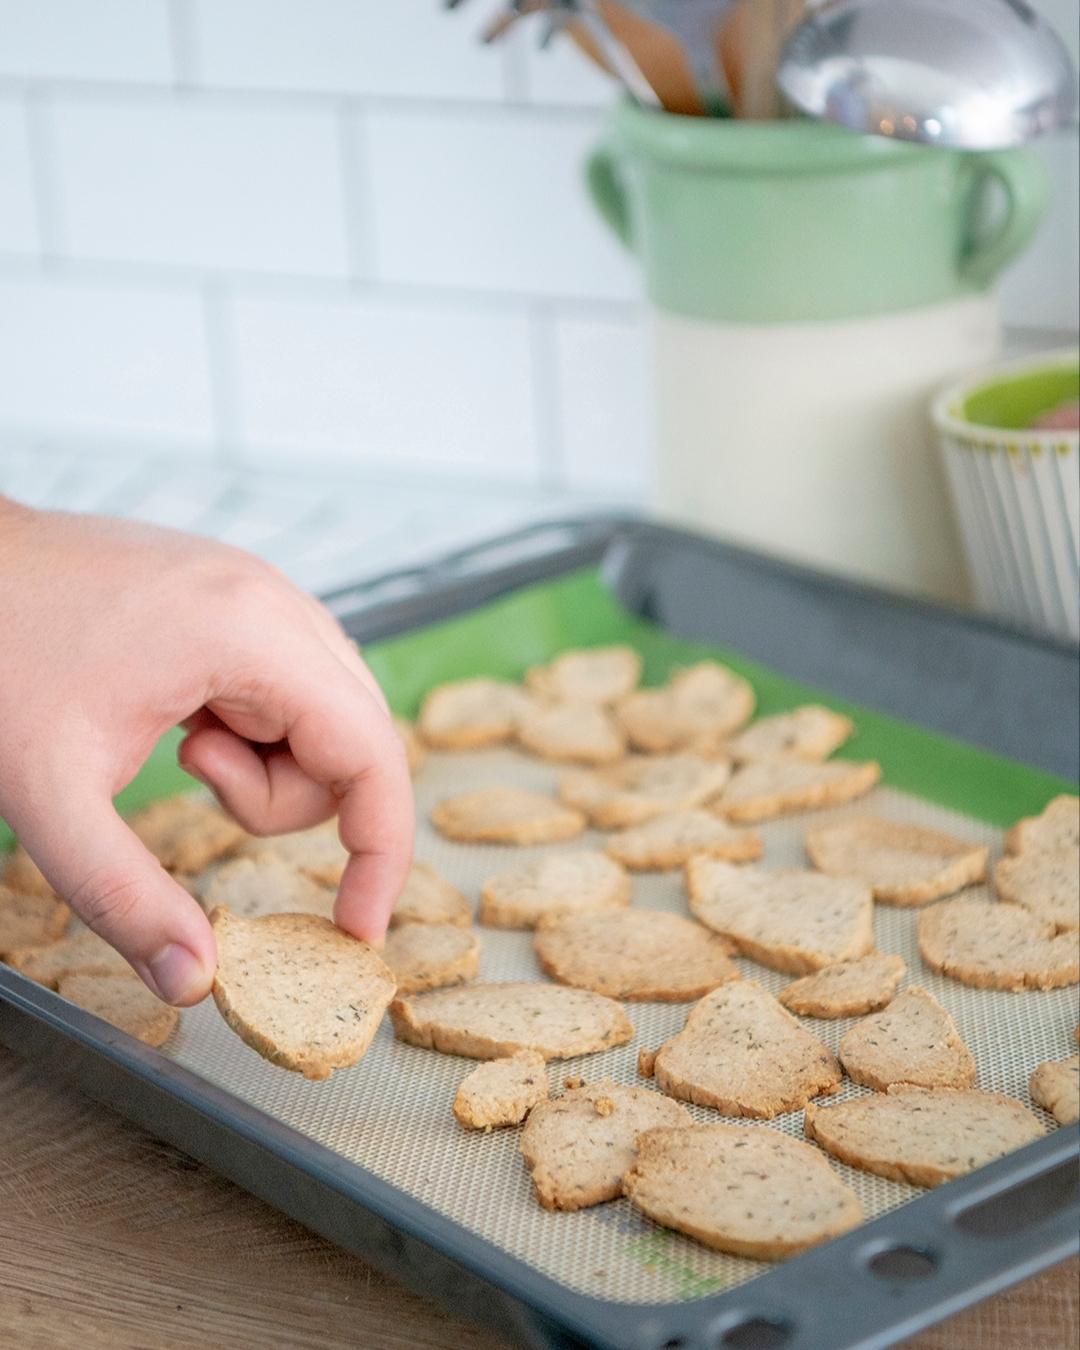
[[431, 956], [506, 815], [124, 1002], [501, 1092], [905, 864], [571, 882], [913, 1041], [671, 840], [302, 993]]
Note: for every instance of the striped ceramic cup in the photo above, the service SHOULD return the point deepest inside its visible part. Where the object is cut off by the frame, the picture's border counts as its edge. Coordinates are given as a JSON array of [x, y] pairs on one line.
[[1016, 489]]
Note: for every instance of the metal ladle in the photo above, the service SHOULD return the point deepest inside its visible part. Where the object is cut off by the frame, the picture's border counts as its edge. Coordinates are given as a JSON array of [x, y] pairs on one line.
[[968, 74]]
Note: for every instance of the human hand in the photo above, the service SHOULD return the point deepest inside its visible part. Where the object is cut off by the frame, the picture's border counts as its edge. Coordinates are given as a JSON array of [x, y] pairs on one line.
[[113, 633]]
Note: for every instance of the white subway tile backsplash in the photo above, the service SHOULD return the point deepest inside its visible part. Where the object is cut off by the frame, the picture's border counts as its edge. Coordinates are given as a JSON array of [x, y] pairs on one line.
[[408, 48], [1042, 288], [202, 184], [606, 431], [97, 359], [18, 213], [403, 384], [86, 40], [463, 199]]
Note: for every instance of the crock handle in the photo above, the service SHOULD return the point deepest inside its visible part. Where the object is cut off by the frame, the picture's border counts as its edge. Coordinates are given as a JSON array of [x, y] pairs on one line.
[[608, 193], [1024, 181]]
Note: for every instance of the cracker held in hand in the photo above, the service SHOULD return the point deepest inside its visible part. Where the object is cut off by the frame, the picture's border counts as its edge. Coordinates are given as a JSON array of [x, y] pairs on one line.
[[506, 815], [1055, 1086], [82, 953], [415, 754], [574, 733], [670, 841], [786, 918], [914, 1041], [124, 1002], [299, 991], [472, 714], [578, 1146], [501, 1091], [21, 873], [1058, 826], [427, 898], [706, 700], [1045, 882], [923, 1136], [490, 1021], [755, 1193], [996, 946], [431, 956], [318, 852], [598, 676], [29, 920], [741, 1052], [810, 732], [641, 788], [905, 864], [267, 884], [779, 787], [186, 834], [636, 954], [559, 884], [848, 989]]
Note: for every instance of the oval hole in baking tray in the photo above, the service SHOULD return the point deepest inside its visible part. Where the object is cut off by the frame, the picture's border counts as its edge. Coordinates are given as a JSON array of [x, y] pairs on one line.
[[1010, 1211], [755, 1333], [903, 1262]]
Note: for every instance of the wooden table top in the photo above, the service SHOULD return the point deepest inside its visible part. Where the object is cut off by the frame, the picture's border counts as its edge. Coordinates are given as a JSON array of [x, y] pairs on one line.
[[111, 1239]]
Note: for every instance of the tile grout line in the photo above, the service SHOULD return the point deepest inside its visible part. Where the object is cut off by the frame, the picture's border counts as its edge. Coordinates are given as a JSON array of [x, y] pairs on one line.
[[546, 396], [183, 46], [45, 177]]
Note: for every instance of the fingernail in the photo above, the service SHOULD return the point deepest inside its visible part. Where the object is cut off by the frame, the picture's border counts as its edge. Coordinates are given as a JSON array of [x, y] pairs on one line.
[[177, 974]]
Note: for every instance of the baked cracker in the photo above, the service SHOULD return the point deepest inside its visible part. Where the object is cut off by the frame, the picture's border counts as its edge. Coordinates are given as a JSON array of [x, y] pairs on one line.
[[266, 884], [501, 1092], [1044, 881], [635, 954], [848, 989], [1057, 826], [318, 852], [786, 918], [578, 1146], [30, 920], [81, 953], [506, 815], [1055, 1086], [996, 946], [124, 1002], [924, 1136], [598, 676], [302, 993], [431, 956], [490, 1021], [704, 700], [751, 1192], [556, 884], [574, 733], [810, 732], [670, 841], [643, 787], [744, 1054], [904, 864], [778, 787], [186, 834], [428, 898], [472, 714], [913, 1041]]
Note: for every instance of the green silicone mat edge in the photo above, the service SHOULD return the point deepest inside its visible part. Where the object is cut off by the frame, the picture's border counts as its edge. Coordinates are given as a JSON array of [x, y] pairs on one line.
[[530, 625]]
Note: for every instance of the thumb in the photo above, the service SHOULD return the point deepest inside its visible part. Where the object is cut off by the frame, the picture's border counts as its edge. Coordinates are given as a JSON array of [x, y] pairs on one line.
[[121, 891]]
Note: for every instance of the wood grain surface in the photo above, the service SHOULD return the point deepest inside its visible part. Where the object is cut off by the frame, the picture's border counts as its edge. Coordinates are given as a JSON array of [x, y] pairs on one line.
[[111, 1239]]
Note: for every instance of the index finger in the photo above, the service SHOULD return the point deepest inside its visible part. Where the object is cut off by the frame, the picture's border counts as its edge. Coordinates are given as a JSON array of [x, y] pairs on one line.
[[341, 737]]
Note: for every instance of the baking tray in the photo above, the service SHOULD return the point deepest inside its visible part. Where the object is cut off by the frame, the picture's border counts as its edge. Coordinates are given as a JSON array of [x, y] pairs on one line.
[[534, 1276]]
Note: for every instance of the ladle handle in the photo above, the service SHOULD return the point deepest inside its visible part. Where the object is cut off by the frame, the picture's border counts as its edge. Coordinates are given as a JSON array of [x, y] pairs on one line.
[[1023, 179]]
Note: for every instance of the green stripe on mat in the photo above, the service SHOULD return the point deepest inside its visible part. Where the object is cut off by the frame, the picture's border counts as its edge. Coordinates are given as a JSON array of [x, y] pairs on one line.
[[531, 625]]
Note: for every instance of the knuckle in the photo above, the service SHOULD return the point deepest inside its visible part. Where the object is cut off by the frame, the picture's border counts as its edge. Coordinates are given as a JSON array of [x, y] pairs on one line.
[[106, 898]]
